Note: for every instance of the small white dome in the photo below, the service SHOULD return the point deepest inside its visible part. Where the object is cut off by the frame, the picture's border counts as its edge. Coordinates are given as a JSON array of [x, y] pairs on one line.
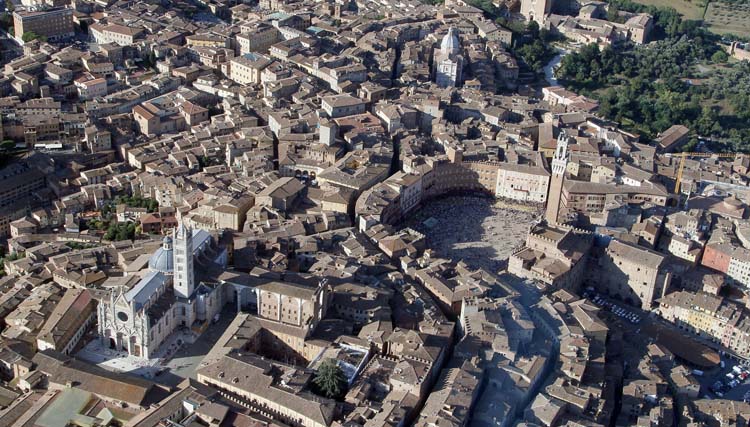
[[450, 42]]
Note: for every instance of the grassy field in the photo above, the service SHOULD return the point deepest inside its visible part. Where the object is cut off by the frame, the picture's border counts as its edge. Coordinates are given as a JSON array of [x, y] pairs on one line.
[[687, 8], [722, 18]]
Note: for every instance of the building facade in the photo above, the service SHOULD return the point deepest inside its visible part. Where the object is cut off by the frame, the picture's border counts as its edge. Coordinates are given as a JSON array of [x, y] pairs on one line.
[[139, 319], [448, 61], [54, 24], [536, 10], [68, 322], [294, 305], [523, 183], [633, 274], [246, 69], [710, 317]]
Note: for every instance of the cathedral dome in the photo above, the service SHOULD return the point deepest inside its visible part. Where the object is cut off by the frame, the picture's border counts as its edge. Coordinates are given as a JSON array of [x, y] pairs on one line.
[[163, 259], [450, 42]]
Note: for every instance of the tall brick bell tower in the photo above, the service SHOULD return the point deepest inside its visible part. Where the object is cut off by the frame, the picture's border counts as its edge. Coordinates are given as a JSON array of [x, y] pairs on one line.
[[559, 165]]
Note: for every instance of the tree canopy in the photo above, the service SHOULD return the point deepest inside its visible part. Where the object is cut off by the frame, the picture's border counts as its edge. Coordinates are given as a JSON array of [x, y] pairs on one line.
[[532, 46], [30, 35], [151, 205], [120, 231], [330, 380], [680, 79]]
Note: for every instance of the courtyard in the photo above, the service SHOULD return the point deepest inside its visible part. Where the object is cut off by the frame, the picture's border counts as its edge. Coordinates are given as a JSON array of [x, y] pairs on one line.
[[105, 357]]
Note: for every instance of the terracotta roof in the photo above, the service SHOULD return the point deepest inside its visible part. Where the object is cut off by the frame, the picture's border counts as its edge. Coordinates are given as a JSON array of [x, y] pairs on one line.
[[64, 370], [141, 111]]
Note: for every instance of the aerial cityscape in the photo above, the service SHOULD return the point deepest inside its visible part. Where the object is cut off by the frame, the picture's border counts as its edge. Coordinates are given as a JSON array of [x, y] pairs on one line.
[[374, 213]]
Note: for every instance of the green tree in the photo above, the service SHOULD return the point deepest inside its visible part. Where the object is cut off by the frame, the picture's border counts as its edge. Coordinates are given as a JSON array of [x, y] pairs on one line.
[[330, 379], [111, 230], [6, 22], [720, 56], [535, 54], [691, 145], [531, 44], [30, 35], [533, 29], [134, 202], [120, 231], [487, 6], [741, 104], [513, 25], [150, 60], [707, 121], [613, 13]]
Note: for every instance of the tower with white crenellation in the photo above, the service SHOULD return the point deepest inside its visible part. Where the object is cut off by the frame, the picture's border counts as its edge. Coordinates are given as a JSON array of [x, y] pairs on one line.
[[559, 165]]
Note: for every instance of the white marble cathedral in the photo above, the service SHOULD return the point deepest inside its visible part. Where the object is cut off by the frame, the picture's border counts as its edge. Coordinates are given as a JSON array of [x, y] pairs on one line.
[[448, 62], [166, 298]]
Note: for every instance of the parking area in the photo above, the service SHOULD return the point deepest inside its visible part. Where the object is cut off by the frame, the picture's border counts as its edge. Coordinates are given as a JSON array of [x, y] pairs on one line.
[[719, 375], [643, 326], [621, 311], [731, 380]]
